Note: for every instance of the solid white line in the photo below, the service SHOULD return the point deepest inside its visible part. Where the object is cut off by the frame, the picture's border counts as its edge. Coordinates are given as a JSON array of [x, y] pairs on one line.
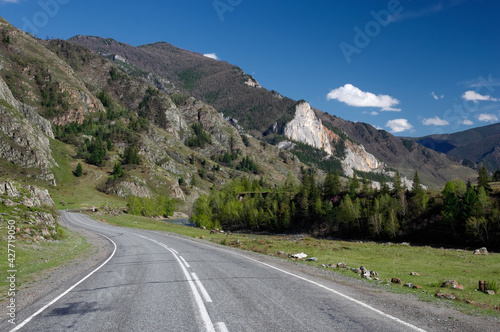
[[202, 288], [209, 327], [416, 328], [67, 291], [175, 251], [221, 327], [184, 261]]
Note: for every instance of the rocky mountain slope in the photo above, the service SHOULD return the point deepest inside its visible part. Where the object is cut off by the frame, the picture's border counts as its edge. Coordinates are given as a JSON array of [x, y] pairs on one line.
[[60, 101], [268, 115], [471, 147], [30, 208]]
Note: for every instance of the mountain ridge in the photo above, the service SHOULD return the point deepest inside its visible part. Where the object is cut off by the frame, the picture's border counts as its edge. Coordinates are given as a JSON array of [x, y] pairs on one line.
[[265, 113], [472, 147]]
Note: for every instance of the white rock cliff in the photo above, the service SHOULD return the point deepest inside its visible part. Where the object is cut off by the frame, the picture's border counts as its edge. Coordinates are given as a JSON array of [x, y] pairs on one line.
[[307, 128]]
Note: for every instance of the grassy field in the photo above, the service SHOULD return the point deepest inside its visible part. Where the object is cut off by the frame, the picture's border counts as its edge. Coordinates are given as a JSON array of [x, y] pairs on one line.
[[435, 265], [35, 260]]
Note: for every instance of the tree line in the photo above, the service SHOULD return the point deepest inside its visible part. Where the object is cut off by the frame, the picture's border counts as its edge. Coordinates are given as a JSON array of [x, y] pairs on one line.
[[460, 214]]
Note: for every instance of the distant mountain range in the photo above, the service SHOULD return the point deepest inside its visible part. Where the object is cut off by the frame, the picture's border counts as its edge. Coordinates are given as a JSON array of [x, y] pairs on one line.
[[471, 147]]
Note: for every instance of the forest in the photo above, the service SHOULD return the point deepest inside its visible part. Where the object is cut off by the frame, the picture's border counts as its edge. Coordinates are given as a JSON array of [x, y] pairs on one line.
[[462, 214]]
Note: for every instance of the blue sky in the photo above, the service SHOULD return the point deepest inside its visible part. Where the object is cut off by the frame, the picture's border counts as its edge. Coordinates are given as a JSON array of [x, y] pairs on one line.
[[410, 67]]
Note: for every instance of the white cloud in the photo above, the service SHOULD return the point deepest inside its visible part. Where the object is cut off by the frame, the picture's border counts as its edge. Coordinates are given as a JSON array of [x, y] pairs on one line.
[[353, 96], [467, 122], [474, 96], [374, 113], [435, 96], [487, 117], [435, 121], [398, 125], [211, 56]]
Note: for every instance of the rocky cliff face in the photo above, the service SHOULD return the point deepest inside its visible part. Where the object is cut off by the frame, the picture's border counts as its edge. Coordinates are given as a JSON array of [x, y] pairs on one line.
[[25, 135], [31, 209], [357, 158], [307, 128]]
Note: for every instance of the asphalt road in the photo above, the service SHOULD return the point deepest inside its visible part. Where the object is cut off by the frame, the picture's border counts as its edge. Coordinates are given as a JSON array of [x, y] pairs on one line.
[[154, 281]]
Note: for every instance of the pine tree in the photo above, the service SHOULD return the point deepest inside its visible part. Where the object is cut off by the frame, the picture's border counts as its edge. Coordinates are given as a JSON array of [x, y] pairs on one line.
[[332, 186], [79, 170], [117, 171], [416, 188], [131, 155], [450, 207], [397, 183], [483, 179], [384, 189], [353, 185]]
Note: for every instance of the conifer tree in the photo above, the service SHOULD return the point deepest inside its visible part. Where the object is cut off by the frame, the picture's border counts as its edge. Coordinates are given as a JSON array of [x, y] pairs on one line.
[[483, 179], [416, 188], [79, 170]]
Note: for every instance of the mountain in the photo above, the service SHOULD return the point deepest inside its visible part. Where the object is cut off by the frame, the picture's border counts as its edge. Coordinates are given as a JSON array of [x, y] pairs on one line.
[[471, 147], [62, 104], [267, 115]]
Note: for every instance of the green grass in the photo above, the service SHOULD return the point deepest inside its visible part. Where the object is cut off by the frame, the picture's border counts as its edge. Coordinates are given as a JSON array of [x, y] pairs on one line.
[[390, 260], [35, 260], [78, 192]]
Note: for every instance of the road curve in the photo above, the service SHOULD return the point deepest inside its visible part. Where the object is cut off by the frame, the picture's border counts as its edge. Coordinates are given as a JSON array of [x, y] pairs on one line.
[[155, 281]]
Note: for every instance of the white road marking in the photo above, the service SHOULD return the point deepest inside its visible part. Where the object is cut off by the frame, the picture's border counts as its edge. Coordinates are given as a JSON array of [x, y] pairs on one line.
[[207, 322], [221, 327], [209, 326], [184, 261], [202, 288], [416, 328], [67, 291]]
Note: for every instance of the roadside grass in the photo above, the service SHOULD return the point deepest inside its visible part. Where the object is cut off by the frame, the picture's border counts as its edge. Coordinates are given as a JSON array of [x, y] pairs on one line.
[[36, 260], [435, 265]]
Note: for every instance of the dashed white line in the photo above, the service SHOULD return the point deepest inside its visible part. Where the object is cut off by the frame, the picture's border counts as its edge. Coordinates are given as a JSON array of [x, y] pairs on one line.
[[221, 327], [67, 291], [207, 322], [202, 288]]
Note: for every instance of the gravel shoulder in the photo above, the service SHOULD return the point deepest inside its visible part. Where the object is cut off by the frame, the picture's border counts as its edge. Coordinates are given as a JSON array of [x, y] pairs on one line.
[[69, 273]]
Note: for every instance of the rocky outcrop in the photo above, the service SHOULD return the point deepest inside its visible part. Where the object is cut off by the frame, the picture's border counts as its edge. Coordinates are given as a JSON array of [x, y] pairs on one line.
[[129, 188], [27, 195], [357, 158], [307, 128], [25, 136], [19, 201]]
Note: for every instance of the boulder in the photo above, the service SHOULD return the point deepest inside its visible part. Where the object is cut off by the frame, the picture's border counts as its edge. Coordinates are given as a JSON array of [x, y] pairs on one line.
[[452, 284], [396, 281], [481, 251], [415, 274], [300, 255], [312, 259], [341, 265]]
